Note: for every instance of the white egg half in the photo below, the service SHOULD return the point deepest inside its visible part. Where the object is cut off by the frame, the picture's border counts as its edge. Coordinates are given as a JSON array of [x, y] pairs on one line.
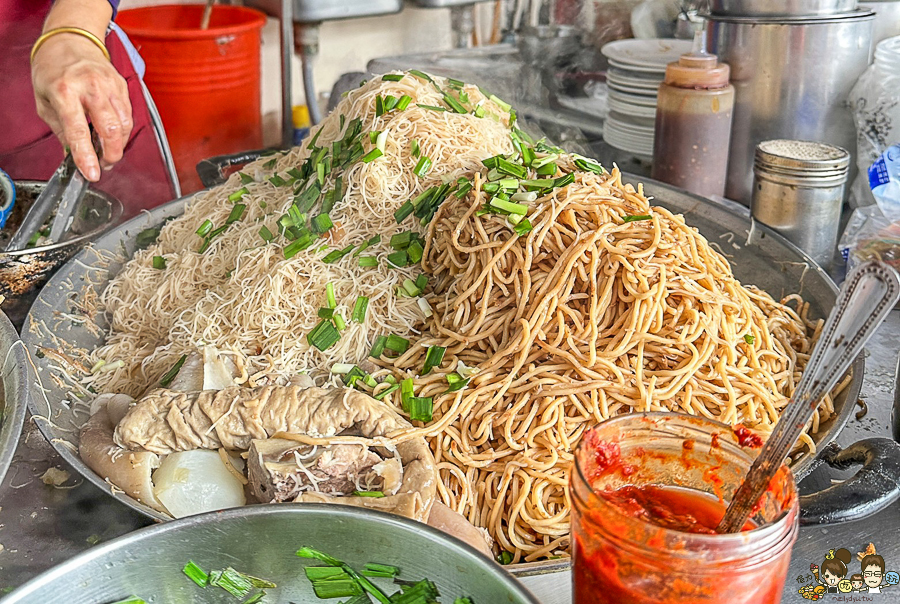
[[193, 482]]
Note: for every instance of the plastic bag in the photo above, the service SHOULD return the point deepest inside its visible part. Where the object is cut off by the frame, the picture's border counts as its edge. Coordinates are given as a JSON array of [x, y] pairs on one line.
[[884, 180], [870, 235]]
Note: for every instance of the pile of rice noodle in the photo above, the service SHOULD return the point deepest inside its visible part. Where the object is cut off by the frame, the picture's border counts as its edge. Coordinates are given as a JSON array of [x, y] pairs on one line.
[[242, 294]]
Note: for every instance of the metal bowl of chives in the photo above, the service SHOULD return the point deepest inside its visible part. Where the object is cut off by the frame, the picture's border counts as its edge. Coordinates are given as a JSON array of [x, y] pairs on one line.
[[262, 541]]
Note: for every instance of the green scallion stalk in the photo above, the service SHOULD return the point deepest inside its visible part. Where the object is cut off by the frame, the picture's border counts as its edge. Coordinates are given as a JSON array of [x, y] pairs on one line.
[[636, 218], [433, 358], [381, 141], [410, 288], [386, 391], [589, 166], [397, 344], [372, 155], [323, 336], [205, 228], [296, 246], [369, 494], [503, 105], [406, 392], [195, 573], [455, 105], [246, 179], [319, 573], [379, 106], [547, 169], [295, 174], [236, 196], [378, 347], [401, 241], [390, 102], [523, 227], [329, 295], [308, 552], [277, 180], [422, 281], [336, 588], [508, 206], [236, 213], [392, 571], [368, 261], [563, 181], [398, 259], [456, 382], [322, 224], [159, 262], [367, 244], [339, 322], [325, 313], [359, 309], [463, 188], [404, 102], [750, 339], [421, 408], [422, 166], [414, 148], [414, 252], [479, 111], [336, 255], [420, 74], [431, 107], [231, 581], [257, 598], [392, 77], [507, 167], [353, 376], [166, 379], [266, 234], [373, 136]]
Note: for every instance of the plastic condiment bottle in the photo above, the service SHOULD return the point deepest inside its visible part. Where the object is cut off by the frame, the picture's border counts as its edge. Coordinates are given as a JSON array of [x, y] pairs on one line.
[[693, 125]]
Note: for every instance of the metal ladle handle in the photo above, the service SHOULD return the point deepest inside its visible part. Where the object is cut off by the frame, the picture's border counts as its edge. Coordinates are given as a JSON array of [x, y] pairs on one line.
[[867, 296]]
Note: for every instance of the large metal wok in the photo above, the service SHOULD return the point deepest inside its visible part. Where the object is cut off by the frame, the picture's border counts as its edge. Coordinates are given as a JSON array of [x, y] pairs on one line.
[[13, 393], [771, 263]]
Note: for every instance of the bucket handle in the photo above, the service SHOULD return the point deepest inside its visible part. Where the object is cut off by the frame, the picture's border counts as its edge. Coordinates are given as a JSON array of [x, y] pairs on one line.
[[875, 486], [212, 171]]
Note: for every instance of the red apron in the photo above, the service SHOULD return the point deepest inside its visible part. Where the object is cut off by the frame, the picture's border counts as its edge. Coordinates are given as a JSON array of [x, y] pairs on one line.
[[28, 148]]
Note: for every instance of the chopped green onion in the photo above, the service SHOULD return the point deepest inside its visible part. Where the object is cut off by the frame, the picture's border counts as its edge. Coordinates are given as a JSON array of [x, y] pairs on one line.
[[323, 336], [390, 102], [392, 77], [636, 218], [373, 136], [541, 183], [266, 234], [403, 102], [236, 196], [297, 246], [325, 313], [270, 164], [589, 166], [354, 375], [257, 598], [319, 573], [381, 140], [380, 570], [505, 558], [166, 379], [414, 252], [421, 408], [420, 74], [406, 392], [433, 358], [507, 167], [329, 295], [339, 322], [295, 174], [368, 261], [320, 173], [422, 282], [463, 188], [378, 346], [508, 183], [397, 344], [246, 179], [159, 262], [218, 232], [414, 148], [369, 494], [547, 169], [454, 104], [231, 581], [336, 255], [456, 382], [527, 155], [504, 106], [508, 206], [322, 223], [422, 166], [563, 181], [372, 155], [277, 180], [375, 240], [410, 288], [133, 600], [379, 106], [523, 227], [305, 200], [386, 391], [431, 107], [205, 228], [341, 368], [401, 241], [398, 259], [543, 161], [308, 552], [750, 339], [479, 111], [336, 588], [195, 573], [236, 213], [359, 309], [425, 307], [527, 196]]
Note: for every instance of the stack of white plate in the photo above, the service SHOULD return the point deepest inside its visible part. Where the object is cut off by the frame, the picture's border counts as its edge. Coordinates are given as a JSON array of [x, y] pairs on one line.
[[636, 69]]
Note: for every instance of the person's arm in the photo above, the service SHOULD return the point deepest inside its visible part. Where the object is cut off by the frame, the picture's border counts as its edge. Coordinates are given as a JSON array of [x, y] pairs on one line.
[[73, 81]]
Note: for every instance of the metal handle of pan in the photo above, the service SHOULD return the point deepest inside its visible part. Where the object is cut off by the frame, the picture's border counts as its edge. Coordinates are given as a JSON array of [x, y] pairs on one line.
[[875, 486], [212, 170]]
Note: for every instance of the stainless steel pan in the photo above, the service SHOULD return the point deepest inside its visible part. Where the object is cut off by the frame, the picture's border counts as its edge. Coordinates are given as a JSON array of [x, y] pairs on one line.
[[13, 391], [771, 263]]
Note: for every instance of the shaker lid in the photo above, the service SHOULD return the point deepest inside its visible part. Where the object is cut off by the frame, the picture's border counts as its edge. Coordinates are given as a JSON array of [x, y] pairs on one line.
[[806, 156], [697, 70]]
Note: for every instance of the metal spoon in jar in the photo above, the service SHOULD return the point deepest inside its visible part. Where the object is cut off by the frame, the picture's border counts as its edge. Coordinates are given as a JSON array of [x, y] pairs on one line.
[[867, 296]]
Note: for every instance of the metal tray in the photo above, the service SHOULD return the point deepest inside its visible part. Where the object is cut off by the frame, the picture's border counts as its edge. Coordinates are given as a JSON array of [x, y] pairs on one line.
[[13, 391], [261, 541], [768, 261]]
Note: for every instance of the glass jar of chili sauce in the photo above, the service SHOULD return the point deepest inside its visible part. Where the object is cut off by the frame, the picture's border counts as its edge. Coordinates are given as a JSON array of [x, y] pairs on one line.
[[647, 492]]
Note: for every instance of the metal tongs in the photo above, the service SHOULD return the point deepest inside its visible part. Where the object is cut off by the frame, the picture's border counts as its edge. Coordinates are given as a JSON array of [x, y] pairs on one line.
[[64, 191], [867, 296]]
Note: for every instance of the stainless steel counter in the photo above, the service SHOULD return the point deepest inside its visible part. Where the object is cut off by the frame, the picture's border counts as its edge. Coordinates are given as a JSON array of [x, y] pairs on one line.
[[42, 525]]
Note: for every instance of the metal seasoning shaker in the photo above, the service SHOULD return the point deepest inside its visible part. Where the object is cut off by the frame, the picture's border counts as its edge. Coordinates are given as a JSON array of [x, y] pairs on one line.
[[693, 125], [798, 190]]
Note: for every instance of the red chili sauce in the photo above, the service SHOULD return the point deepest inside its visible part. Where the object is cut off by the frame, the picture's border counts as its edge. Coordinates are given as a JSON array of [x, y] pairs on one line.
[[747, 437]]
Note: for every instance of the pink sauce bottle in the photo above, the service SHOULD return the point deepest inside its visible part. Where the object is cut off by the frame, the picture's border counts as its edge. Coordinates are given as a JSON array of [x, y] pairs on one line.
[[693, 125]]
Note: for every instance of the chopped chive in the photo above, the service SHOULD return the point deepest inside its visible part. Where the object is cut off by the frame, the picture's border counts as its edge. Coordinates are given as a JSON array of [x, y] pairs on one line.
[[336, 588], [367, 244], [636, 218], [218, 231], [392, 77], [321, 223], [205, 228], [479, 111], [295, 174], [379, 106], [372, 155], [527, 155], [329, 295], [373, 136], [297, 246], [548, 169], [433, 358], [420, 74], [258, 598], [171, 373], [509, 206], [414, 252], [378, 346], [589, 166], [195, 573], [431, 107], [523, 227], [504, 106], [398, 259], [527, 196], [505, 558], [401, 241], [421, 408], [277, 180], [455, 83], [422, 281], [159, 262], [236, 213], [246, 179], [308, 552], [750, 339], [339, 322], [323, 336], [368, 261], [382, 568], [236, 196], [397, 344], [508, 183], [325, 313], [563, 181], [403, 102], [370, 494], [410, 288], [386, 391], [359, 309], [336, 255], [270, 164], [305, 200], [422, 166], [266, 234], [318, 573], [390, 102], [456, 382], [406, 392], [454, 104], [507, 167], [463, 188], [541, 183]]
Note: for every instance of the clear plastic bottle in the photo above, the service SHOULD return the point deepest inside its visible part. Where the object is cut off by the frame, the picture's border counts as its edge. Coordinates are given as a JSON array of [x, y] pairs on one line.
[[693, 125]]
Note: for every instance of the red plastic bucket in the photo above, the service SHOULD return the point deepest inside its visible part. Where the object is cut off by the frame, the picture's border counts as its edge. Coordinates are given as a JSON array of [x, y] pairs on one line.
[[206, 83]]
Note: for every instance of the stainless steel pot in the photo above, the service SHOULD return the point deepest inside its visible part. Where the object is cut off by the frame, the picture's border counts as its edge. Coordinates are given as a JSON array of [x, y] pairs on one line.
[[261, 541], [13, 391], [24, 272], [791, 79], [770, 262], [780, 8]]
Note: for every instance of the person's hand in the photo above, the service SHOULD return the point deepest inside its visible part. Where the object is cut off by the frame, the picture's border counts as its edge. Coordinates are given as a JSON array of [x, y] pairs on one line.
[[73, 82]]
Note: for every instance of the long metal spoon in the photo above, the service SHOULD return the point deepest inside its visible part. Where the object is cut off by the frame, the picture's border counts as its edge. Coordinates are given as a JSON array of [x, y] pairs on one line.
[[867, 296]]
